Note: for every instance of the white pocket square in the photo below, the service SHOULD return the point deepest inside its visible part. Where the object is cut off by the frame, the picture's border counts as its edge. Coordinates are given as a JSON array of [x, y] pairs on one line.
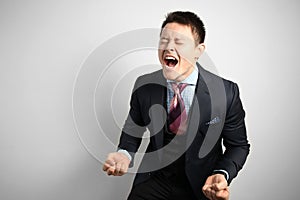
[[213, 121]]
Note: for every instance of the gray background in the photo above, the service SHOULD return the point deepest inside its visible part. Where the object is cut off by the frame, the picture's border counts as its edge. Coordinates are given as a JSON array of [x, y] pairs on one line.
[[44, 43]]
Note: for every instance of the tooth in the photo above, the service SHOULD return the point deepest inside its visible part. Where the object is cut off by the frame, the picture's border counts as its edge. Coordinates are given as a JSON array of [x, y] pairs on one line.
[[170, 57]]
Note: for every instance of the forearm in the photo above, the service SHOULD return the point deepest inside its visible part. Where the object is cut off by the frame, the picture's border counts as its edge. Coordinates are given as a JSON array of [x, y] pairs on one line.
[[234, 136], [233, 160]]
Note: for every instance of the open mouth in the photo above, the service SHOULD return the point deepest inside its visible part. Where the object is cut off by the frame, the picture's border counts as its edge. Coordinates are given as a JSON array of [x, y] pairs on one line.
[[170, 61]]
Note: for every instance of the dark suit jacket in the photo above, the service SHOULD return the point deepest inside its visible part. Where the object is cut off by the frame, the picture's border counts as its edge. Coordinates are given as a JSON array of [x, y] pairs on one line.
[[216, 115]]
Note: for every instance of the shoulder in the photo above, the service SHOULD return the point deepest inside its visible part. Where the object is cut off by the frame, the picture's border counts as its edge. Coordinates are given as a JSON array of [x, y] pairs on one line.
[[156, 75], [219, 88], [212, 79], [149, 80]]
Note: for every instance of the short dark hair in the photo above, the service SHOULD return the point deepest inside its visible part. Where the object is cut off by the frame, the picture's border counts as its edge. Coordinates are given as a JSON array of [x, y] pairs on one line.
[[189, 19]]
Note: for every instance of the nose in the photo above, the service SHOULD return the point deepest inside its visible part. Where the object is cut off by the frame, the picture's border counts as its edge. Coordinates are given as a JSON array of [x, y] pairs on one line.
[[170, 46]]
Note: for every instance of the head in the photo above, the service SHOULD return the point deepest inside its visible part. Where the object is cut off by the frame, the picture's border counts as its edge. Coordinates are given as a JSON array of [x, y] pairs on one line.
[[181, 44]]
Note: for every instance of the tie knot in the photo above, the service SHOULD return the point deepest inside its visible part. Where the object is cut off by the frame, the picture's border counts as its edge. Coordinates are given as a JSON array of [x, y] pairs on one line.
[[178, 88]]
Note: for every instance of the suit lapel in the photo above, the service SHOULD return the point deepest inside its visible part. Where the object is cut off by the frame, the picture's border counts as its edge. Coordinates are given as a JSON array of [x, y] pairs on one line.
[[158, 111], [200, 109]]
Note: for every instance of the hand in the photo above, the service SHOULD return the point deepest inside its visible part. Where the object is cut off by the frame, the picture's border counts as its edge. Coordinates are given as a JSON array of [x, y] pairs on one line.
[[216, 187], [116, 164]]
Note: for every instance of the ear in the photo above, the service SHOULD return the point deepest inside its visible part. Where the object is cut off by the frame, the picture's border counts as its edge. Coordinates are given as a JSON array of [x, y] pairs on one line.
[[199, 50]]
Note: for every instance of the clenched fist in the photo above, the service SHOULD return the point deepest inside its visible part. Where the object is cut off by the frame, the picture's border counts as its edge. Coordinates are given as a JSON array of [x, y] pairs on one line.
[[216, 187], [116, 164]]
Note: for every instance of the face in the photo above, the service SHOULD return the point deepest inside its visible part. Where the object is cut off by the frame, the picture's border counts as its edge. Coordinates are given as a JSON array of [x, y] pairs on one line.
[[178, 51]]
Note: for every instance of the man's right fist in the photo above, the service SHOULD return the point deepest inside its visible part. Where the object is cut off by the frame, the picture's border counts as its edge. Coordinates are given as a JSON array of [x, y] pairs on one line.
[[116, 164]]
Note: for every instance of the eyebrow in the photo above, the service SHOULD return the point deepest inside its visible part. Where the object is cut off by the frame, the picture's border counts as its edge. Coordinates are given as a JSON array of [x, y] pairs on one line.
[[164, 38], [176, 39]]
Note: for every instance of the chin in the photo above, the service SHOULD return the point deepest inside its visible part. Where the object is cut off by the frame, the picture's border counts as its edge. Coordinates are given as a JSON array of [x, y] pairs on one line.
[[170, 74]]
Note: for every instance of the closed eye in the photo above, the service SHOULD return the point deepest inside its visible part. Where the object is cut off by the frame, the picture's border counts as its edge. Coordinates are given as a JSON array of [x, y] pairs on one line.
[[179, 41], [164, 40]]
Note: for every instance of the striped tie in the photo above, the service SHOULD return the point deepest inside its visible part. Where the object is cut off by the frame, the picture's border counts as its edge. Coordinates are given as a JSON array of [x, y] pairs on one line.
[[177, 117]]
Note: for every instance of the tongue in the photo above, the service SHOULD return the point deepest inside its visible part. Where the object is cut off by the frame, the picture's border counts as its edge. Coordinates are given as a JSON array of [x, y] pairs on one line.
[[171, 63]]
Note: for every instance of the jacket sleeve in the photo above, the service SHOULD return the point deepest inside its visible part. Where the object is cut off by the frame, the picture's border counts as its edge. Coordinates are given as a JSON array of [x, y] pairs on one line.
[[234, 135], [134, 126]]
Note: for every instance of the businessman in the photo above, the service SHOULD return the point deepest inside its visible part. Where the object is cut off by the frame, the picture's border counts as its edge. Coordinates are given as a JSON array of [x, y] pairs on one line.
[[201, 111]]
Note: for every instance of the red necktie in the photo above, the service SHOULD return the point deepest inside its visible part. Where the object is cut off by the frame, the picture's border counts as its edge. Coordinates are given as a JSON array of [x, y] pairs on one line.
[[177, 117]]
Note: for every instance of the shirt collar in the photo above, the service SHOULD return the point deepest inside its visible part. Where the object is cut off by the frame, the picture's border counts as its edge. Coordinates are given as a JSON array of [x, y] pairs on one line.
[[191, 79]]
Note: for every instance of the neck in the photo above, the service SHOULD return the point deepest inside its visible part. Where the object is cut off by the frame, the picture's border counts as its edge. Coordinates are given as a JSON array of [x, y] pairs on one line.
[[186, 74]]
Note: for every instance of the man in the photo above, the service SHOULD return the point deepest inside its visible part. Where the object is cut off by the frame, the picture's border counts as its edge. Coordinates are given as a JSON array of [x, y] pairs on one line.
[[203, 110]]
